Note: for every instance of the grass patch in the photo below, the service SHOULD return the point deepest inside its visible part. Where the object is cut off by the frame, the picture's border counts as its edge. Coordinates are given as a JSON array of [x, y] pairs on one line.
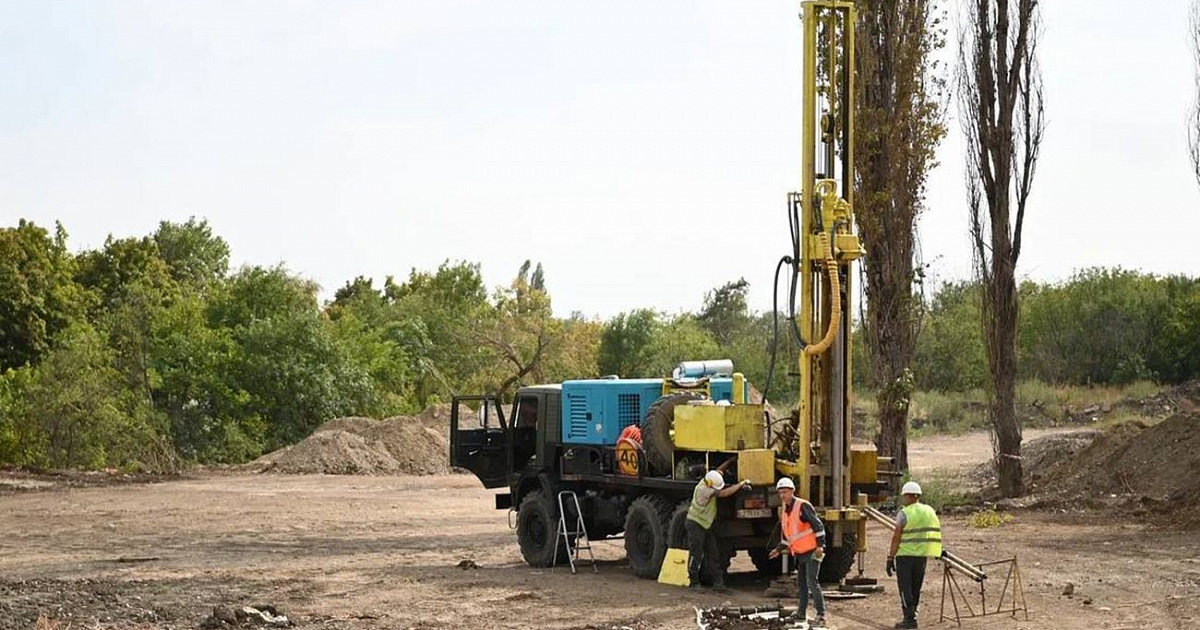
[[940, 490], [1038, 405]]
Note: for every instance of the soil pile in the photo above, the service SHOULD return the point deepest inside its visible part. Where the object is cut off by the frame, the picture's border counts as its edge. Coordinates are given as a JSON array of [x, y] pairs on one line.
[[1038, 456], [402, 445], [1157, 468]]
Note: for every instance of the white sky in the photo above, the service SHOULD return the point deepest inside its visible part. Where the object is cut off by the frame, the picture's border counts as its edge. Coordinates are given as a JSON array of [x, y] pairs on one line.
[[641, 150]]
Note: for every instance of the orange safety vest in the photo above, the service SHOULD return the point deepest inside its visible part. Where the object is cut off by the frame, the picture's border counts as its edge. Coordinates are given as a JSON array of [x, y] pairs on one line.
[[797, 534]]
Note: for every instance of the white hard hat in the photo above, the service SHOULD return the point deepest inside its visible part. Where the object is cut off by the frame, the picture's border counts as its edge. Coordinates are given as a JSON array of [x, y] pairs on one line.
[[786, 482], [911, 487], [715, 479]]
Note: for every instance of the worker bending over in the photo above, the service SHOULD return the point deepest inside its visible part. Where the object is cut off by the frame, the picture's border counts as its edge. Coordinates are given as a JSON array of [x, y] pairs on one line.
[[702, 541], [917, 538], [803, 536]]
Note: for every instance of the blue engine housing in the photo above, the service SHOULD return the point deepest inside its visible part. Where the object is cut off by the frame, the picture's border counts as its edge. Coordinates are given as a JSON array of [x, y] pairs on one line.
[[596, 411]]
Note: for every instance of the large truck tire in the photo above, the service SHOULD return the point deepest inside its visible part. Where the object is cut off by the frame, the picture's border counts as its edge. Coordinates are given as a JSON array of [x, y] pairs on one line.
[[537, 530], [656, 432], [677, 531], [647, 525], [839, 560], [766, 566]]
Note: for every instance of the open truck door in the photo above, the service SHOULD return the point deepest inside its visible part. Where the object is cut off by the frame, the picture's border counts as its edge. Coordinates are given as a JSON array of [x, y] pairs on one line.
[[481, 441]]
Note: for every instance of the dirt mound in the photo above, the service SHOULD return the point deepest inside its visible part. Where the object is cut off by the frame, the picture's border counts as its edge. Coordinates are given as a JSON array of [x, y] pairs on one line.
[[1156, 467], [333, 452], [416, 449], [418, 445], [1186, 397], [1039, 456], [352, 424]]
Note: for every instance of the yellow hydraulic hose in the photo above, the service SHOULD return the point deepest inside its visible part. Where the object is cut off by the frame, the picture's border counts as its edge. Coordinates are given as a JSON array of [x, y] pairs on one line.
[[835, 309]]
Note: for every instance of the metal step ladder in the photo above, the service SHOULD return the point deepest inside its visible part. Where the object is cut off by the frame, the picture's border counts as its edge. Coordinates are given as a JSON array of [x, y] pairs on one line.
[[581, 540]]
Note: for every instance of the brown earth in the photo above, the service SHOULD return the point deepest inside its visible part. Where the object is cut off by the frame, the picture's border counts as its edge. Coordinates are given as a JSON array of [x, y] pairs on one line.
[[1153, 470], [375, 552], [407, 445]]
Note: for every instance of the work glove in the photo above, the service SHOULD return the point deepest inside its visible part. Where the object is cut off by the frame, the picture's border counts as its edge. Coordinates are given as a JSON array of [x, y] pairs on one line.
[[746, 484], [819, 554], [891, 566]]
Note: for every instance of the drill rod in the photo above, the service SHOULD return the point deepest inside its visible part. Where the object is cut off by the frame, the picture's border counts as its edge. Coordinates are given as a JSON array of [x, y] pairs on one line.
[[955, 562]]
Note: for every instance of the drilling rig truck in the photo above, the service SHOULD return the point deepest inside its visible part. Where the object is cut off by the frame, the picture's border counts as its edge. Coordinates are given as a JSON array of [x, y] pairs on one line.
[[580, 435]]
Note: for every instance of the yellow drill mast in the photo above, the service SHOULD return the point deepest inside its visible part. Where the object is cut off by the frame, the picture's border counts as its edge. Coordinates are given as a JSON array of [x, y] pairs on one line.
[[825, 249]]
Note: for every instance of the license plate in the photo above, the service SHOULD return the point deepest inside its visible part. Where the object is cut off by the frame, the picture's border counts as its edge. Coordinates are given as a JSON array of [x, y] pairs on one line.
[[762, 513]]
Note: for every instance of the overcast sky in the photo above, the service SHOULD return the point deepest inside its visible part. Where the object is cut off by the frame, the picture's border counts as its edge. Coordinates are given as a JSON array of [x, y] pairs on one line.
[[640, 150]]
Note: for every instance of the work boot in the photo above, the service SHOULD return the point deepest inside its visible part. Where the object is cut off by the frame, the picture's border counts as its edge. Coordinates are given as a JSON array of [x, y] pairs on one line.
[[720, 587], [695, 586], [907, 624], [819, 622]]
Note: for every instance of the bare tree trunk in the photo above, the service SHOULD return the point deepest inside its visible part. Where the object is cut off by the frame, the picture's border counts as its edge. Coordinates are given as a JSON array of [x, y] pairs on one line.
[[1006, 428], [1194, 115], [900, 123], [1000, 92]]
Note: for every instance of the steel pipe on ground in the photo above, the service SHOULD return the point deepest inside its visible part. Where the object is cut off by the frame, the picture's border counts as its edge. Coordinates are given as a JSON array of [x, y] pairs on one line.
[[955, 562]]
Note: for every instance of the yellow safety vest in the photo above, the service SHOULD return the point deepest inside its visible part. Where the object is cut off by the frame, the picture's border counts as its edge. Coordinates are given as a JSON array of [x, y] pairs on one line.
[[922, 533], [702, 514]]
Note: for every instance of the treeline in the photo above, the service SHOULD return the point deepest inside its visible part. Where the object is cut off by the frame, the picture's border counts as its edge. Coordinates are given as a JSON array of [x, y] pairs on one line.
[[149, 351], [1101, 326]]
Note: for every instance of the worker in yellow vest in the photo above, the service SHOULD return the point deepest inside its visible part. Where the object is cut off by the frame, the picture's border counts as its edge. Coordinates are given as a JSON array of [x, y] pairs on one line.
[[803, 537], [702, 541], [917, 538]]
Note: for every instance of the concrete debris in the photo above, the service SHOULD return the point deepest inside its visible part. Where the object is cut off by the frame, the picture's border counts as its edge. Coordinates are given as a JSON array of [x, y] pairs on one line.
[[753, 618], [258, 616]]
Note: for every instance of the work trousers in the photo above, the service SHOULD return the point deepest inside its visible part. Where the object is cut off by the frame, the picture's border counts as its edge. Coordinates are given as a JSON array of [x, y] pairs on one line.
[[702, 554], [910, 575], [807, 570]]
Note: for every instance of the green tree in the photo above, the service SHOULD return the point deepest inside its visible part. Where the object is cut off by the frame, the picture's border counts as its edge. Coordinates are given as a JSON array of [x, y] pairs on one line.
[[286, 357], [74, 400], [38, 297], [683, 338], [575, 357], [195, 256], [625, 344], [438, 313], [519, 330], [900, 114], [951, 356], [725, 313], [200, 388], [1097, 327], [120, 263]]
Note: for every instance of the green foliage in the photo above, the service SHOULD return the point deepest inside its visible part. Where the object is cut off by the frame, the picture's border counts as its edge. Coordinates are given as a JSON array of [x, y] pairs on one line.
[[438, 313], [38, 296], [1094, 328], [939, 490], [950, 354], [625, 344], [725, 314], [148, 351], [682, 338], [195, 256]]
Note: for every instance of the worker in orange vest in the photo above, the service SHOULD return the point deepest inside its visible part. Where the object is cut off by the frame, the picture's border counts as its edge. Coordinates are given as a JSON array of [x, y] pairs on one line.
[[803, 536]]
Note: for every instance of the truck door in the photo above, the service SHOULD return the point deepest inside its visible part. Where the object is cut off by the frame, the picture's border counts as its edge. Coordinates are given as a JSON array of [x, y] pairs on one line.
[[479, 440]]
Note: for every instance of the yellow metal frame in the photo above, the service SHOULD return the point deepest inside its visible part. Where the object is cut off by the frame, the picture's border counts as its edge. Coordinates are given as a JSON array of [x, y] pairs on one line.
[[836, 248]]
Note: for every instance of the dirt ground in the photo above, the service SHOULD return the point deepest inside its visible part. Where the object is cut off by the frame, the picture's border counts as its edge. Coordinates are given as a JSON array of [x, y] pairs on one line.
[[381, 552]]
